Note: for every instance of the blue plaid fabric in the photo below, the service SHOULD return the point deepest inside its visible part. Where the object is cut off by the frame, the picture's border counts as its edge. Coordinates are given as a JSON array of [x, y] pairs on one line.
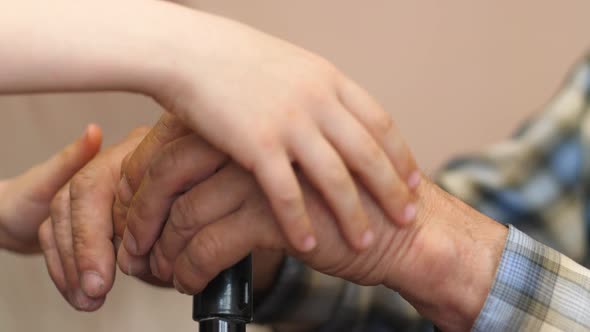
[[536, 289], [537, 181]]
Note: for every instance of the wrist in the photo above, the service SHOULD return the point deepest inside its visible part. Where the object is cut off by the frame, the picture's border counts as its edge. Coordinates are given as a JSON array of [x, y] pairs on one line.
[[452, 262]]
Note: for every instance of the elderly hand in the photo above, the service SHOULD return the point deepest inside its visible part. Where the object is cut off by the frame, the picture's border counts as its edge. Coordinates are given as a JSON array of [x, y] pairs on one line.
[[185, 184], [81, 237], [81, 224], [444, 263], [25, 200]]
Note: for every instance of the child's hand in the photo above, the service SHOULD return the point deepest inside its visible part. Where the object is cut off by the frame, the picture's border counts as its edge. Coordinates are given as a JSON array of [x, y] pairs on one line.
[[272, 106], [25, 200]]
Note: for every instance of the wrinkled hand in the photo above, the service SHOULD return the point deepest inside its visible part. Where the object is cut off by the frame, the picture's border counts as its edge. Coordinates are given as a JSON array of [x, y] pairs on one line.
[[81, 229], [220, 214], [81, 237], [444, 263], [162, 169], [209, 211], [215, 223], [25, 200]]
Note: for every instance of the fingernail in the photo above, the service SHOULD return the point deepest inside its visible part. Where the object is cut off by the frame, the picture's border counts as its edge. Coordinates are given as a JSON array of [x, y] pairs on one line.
[[178, 286], [410, 213], [136, 267], [132, 265], [81, 301], [89, 129], [125, 193], [367, 238], [129, 242], [414, 180], [92, 283], [154, 266], [309, 243]]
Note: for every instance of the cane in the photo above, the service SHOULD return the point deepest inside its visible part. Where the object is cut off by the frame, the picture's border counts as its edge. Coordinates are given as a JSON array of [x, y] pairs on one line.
[[225, 305]]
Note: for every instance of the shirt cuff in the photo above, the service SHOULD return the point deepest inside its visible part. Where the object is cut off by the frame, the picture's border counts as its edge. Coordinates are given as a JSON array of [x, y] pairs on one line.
[[536, 288]]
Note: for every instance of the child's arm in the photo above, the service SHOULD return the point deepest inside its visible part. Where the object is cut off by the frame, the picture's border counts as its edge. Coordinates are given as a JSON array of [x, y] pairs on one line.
[[70, 45], [264, 102]]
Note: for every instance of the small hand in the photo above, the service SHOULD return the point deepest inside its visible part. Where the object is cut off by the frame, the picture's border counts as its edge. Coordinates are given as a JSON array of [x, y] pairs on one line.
[[25, 200], [270, 105]]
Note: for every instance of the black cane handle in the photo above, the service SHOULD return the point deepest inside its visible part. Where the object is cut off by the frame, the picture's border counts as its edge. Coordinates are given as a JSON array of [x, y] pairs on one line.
[[225, 305]]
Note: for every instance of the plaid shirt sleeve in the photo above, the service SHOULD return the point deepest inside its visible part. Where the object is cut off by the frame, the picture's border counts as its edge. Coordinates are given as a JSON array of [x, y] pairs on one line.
[[536, 289], [537, 181]]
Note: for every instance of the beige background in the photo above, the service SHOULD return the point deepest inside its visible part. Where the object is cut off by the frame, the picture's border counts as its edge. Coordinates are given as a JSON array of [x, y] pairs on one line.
[[456, 75]]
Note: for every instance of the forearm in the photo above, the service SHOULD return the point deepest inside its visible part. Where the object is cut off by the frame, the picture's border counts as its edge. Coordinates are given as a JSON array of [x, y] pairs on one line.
[[91, 45], [456, 258]]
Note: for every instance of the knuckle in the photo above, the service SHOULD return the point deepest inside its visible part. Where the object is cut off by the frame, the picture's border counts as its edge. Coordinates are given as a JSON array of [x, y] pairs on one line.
[[59, 204], [202, 256], [323, 69], [80, 184], [371, 158], [266, 145], [169, 123], [169, 159], [119, 218], [338, 179], [268, 141], [184, 217], [79, 240], [288, 200], [397, 193], [328, 68], [381, 123], [134, 218]]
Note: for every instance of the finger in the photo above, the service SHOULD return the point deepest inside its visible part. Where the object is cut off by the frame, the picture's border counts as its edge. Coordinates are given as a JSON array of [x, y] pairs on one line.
[[277, 179], [120, 209], [40, 183], [91, 198], [166, 130], [52, 260], [327, 172], [136, 266], [61, 230], [382, 127], [179, 166], [214, 198], [367, 160], [219, 246]]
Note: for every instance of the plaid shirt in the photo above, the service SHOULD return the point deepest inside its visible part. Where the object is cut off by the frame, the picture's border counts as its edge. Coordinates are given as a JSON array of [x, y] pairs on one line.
[[537, 181]]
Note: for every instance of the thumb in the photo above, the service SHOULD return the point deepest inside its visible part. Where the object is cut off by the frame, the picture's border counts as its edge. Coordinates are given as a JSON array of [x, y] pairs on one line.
[[42, 182]]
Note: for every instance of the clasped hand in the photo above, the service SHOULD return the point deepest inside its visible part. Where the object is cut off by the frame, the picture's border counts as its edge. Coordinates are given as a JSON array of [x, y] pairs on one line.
[[186, 201]]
